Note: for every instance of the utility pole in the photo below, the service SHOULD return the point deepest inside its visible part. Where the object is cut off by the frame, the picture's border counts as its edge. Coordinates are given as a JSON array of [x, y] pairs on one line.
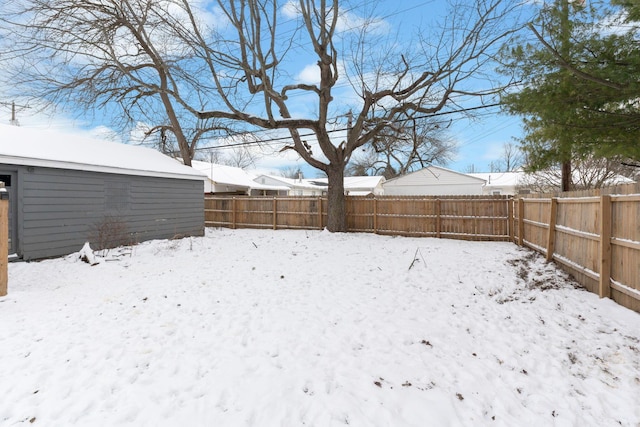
[[14, 120]]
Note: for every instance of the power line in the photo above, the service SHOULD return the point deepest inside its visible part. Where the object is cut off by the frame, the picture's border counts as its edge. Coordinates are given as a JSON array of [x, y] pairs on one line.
[[270, 141], [14, 120]]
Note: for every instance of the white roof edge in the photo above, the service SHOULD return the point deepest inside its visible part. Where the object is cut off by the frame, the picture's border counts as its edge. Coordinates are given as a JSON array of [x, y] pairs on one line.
[[259, 186], [78, 151], [56, 164], [435, 167]]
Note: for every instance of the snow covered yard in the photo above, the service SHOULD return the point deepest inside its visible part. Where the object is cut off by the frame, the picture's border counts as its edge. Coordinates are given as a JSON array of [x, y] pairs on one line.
[[309, 328]]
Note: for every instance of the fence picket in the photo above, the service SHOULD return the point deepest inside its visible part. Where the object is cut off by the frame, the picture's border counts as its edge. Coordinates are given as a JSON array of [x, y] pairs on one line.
[[604, 285], [597, 238], [593, 236], [551, 238], [474, 218]]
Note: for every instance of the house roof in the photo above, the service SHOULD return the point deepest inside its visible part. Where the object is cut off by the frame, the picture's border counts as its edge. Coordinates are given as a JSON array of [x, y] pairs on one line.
[[353, 182], [54, 149], [436, 175], [229, 175], [516, 178], [500, 178], [291, 182]]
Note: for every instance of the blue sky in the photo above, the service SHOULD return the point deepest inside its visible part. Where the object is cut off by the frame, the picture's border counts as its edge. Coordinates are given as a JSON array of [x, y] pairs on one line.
[[479, 141]]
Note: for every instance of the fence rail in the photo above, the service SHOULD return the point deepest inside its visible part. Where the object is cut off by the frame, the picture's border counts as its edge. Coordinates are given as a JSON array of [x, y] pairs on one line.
[[595, 236], [465, 218]]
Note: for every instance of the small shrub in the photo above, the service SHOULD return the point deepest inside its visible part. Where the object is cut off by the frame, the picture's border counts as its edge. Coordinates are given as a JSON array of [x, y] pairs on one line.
[[110, 232]]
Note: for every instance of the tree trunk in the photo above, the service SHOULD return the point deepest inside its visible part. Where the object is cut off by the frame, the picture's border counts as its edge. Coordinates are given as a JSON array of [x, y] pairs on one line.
[[566, 49], [176, 127], [337, 209], [566, 175]]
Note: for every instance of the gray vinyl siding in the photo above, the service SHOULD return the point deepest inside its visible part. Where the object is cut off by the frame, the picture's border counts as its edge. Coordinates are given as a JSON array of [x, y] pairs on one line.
[[59, 209]]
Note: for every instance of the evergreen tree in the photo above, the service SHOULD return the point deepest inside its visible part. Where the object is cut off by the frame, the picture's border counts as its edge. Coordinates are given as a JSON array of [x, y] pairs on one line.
[[580, 79]]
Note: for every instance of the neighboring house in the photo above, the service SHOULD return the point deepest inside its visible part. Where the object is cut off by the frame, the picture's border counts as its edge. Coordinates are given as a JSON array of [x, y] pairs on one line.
[[502, 183], [66, 189], [356, 185], [433, 181], [520, 182], [230, 180], [353, 185], [296, 187]]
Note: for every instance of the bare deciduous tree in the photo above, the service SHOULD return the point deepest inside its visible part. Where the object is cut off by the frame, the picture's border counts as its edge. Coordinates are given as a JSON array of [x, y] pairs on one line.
[[401, 83], [293, 172], [512, 159], [471, 168], [101, 54], [588, 173], [240, 157], [240, 150], [406, 147], [159, 60]]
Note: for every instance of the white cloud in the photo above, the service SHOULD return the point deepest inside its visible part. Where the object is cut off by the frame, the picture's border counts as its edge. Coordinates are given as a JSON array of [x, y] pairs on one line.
[[493, 151], [347, 21], [104, 132], [310, 74], [372, 25], [290, 10]]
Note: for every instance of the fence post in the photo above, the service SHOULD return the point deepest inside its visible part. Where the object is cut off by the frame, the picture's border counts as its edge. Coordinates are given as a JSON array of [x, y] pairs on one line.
[[551, 237], [375, 215], [520, 221], [511, 219], [320, 212], [474, 206], [4, 239], [275, 213], [604, 286], [438, 225], [233, 213]]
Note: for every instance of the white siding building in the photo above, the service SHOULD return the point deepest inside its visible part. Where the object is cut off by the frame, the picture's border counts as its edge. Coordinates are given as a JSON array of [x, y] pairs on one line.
[[357, 185], [224, 179], [501, 183], [520, 182], [296, 187], [433, 181]]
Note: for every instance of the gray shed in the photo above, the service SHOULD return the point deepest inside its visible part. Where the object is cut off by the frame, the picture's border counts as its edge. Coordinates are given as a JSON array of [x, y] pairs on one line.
[[66, 189]]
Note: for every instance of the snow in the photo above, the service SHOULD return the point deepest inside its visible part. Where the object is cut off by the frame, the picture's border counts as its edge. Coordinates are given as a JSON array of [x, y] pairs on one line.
[[54, 149], [354, 181], [87, 255], [293, 328], [294, 183], [223, 174], [520, 177]]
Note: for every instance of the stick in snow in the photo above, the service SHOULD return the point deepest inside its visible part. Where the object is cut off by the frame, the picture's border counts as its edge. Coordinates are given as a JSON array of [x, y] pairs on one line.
[[415, 258]]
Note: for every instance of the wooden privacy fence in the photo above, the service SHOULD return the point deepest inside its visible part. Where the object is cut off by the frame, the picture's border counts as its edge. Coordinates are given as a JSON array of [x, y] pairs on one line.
[[454, 217], [595, 238]]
